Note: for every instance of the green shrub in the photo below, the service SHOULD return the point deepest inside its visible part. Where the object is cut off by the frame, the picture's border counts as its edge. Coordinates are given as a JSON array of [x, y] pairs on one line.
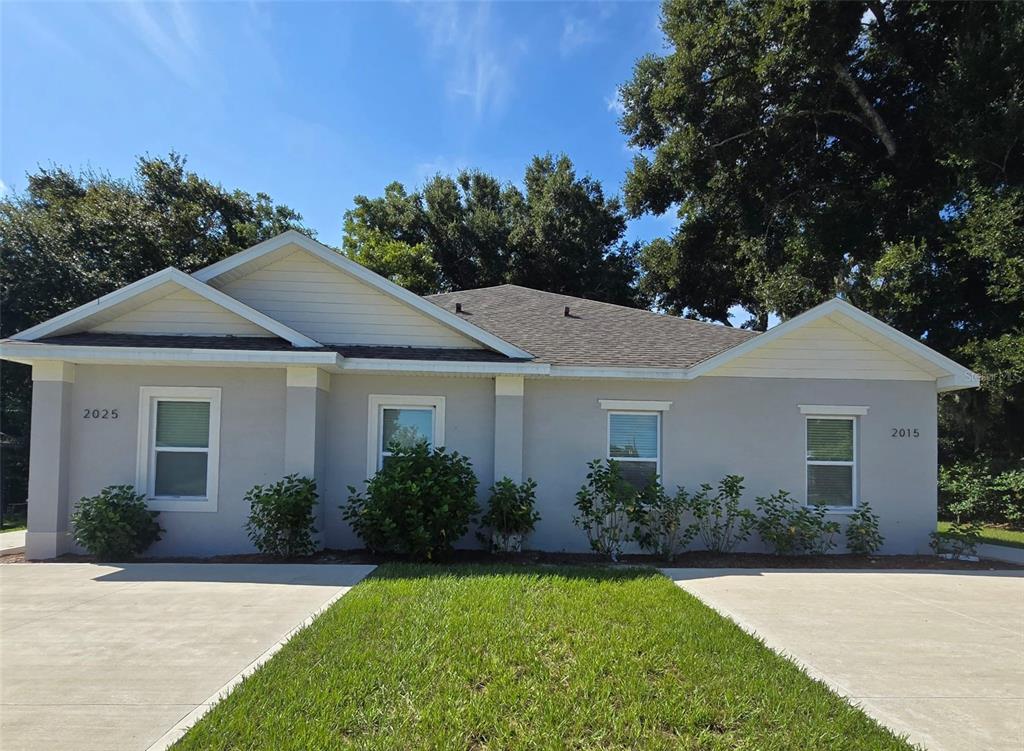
[[604, 505], [510, 510], [1009, 489], [788, 527], [419, 504], [281, 517], [862, 535], [718, 519], [115, 525], [965, 492], [961, 539], [657, 519]]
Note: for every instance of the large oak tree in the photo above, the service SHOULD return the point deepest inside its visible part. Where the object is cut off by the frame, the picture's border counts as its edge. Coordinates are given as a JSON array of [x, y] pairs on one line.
[[869, 149]]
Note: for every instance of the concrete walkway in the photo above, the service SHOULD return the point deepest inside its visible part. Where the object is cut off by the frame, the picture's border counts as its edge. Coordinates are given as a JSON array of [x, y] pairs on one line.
[[936, 655], [12, 542], [113, 658]]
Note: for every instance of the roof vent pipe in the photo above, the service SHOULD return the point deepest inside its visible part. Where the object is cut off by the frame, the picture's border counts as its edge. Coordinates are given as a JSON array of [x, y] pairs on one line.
[[566, 311], [458, 307]]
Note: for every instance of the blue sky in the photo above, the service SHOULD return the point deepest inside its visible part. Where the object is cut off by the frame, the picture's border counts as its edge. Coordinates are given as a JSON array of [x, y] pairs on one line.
[[314, 103]]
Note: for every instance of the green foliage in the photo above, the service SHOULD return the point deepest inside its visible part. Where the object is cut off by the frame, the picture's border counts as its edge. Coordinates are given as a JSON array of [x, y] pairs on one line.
[[788, 527], [419, 503], [812, 149], [70, 238], [510, 510], [658, 520], [604, 506], [281, 517], [115, 525], [971, 491], [862, 535], [560, 233], [720, 522], [961, 539]]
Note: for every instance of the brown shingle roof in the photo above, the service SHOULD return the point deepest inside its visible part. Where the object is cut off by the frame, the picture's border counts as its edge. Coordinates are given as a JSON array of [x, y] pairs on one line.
[[595, 333]]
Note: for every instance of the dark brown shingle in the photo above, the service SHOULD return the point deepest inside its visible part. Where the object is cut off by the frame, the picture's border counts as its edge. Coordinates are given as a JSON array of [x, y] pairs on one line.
[[594, 333]]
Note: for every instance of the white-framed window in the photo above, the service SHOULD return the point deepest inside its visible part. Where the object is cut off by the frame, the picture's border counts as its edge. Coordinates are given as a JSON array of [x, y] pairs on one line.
[[404, 420], [179, 447], [831, 460], [634, 441]]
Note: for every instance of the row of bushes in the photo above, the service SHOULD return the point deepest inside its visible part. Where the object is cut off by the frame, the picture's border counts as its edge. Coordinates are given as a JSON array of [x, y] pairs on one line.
[[423, 500], [613, 513]]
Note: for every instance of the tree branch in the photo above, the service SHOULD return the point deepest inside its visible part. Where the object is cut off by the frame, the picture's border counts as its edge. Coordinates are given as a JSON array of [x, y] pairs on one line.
[[877, 123]]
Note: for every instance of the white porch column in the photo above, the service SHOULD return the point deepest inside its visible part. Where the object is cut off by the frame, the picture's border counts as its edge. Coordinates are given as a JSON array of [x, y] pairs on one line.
[[508, 427], [48, 530], [305, 433]]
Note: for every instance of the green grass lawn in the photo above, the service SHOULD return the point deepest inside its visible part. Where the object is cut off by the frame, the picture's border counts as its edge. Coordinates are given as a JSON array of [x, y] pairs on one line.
[[996, 535], [506, 657]]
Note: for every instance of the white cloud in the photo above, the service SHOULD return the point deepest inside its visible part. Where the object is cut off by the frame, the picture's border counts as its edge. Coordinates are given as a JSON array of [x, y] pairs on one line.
[[479, 62], [580, 30], [169, 33], [614, 104]]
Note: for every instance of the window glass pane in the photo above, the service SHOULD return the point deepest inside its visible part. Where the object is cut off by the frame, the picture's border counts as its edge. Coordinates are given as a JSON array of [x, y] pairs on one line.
[[183, 424], [180, 473], [633, 436], [830, 440], [830, 484], [638, 474], [407, 427]]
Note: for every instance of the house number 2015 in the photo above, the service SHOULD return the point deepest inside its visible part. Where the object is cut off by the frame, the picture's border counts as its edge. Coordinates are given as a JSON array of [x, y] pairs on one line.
[[100, 414], [905, 432]]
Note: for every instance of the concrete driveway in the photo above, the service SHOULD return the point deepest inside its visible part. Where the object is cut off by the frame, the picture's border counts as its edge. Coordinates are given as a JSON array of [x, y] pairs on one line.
[[115, 657], [936, 655]]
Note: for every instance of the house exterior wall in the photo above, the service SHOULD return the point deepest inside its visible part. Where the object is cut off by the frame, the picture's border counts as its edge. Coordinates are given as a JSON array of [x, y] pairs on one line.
[[752, 427], [715, 426], [252, 440], [322, 302], [469, 429]]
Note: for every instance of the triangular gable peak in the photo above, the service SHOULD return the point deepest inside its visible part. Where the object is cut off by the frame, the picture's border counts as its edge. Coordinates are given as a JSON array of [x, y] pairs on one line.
[[167, 302], [837, 340], [333, 299]]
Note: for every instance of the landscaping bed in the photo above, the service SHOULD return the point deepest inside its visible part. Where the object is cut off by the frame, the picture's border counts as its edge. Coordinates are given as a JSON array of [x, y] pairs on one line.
[[694, 559], [511, 657]]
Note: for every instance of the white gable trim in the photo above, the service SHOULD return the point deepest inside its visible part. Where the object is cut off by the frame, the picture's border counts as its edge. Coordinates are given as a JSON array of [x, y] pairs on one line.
[[347, 265], [957, 377], [170, 274]]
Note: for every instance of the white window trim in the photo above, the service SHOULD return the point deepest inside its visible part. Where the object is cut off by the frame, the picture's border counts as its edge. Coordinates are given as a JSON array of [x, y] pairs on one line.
[[608, 437], [854, 471], [620, 405], [375, 415], [145, 462]]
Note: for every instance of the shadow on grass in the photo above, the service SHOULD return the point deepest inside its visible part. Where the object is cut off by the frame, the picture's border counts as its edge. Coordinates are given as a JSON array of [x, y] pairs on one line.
[[450, 570]]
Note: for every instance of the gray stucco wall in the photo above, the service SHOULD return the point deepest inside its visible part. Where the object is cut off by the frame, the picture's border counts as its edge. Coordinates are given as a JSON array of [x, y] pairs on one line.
[[469, 429], [746, 426], [103, 452], [715, 426]]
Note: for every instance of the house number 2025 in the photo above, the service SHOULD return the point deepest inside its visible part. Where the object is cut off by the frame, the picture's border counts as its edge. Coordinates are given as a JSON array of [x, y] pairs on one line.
[[100, 414], [905, 432]]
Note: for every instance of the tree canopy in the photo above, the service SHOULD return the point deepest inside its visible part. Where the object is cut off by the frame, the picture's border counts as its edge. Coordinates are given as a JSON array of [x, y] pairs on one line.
[[560, 233], [868, 149], [72, 237]]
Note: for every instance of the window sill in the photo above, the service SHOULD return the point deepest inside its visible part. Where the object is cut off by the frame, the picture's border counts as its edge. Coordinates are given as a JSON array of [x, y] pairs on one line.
[[838, 510], [192, 505]]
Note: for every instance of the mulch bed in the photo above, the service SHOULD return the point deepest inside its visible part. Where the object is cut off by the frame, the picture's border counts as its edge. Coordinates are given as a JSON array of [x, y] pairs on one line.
[[695, 559]]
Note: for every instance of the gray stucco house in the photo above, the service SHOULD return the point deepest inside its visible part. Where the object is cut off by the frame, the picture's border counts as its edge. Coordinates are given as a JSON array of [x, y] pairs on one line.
[[289, 357]]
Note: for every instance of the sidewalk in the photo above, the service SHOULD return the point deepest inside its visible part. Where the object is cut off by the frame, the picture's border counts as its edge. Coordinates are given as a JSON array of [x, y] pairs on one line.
[[12, 542]]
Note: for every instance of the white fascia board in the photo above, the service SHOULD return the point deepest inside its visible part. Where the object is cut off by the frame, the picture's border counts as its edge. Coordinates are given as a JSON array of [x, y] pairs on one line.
[[632, 405], [367, 364], [27, 352], [963, 377], [363, 274], [170, 274], [631, 374]]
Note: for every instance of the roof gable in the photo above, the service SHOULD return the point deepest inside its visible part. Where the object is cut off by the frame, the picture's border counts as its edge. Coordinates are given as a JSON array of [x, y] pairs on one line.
[[169, 301], [322, 292], [837, 340]]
